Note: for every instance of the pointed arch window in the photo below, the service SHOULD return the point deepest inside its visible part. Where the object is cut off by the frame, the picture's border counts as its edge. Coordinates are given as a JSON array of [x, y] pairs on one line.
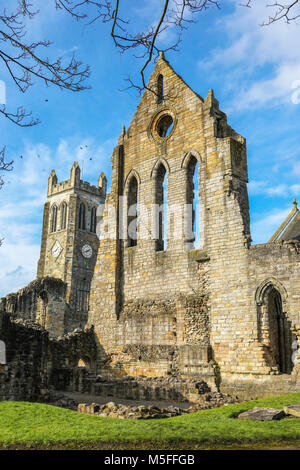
[[160, 89], [192, 200], [132, 203], [81, 221], [82, 295], [53, 218], [161, 205], [63, 216], [93, 220]]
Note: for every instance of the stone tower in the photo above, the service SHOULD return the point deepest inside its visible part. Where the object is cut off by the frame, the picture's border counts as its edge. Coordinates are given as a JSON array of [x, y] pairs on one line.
[[70, 241]]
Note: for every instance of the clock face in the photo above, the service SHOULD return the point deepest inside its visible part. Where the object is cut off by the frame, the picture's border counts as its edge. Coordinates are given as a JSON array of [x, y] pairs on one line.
[[87, 251], [56, 249]]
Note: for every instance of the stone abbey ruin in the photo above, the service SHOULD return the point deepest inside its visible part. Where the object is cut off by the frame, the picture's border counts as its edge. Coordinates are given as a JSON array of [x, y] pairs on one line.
[[151, 303]]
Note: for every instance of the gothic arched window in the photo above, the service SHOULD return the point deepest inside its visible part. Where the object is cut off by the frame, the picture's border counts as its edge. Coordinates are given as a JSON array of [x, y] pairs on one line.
[[63, 216], [93, 220], [192, 200], [161, 205], [132, 212], [53, 218], [81, 220]]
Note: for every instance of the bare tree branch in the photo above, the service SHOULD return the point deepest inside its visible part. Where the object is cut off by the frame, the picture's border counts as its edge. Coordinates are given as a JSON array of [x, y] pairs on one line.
[[176, 14], [24, 60], [288, 12], [19, 117], [4, 166]]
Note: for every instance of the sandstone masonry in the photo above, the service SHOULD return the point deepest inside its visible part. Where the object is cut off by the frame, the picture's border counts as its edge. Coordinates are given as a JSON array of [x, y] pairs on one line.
[[225, 312]]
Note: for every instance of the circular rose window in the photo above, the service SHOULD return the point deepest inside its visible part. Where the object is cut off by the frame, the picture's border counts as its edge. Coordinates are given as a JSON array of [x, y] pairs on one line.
[[164, 125]]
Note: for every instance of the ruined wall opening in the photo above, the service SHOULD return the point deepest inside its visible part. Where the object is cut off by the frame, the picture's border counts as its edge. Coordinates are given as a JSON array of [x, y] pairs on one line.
[[280, 333], [192, 200], [84, 362], [164, 125], [132, 214], [161, 202], [42, 308], [274, 326]]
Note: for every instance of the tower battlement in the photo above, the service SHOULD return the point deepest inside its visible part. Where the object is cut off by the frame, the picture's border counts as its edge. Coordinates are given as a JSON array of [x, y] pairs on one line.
[[54, 187]]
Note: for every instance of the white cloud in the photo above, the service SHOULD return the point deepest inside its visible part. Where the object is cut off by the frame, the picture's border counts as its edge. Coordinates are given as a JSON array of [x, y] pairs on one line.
[[272, 91], [18, 266], [256, 188], [23, 197], [267, 224], [251, 47]]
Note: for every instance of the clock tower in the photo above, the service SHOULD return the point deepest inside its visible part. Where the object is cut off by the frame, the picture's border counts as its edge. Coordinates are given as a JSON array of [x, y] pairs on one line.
[[70, 239]]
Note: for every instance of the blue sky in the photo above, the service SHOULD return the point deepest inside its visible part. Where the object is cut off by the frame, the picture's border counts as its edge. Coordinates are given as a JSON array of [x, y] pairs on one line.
[[252, 70]]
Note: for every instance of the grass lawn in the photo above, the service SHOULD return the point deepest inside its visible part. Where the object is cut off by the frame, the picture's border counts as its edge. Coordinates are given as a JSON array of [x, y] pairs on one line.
[[37, 425]]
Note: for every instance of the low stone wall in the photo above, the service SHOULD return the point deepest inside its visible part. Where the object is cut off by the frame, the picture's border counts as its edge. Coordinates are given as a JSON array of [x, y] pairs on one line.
[[153, 388], [33, 359], [42, 301], [24, 375], [252, 387]]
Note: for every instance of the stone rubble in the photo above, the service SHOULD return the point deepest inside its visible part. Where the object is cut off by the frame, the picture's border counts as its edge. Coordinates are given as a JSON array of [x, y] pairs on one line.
[[115, 410], [262, 414], [293, 410]]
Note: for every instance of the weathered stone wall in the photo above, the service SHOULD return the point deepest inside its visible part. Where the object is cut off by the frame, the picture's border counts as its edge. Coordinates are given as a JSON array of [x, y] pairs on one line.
[[275, 267], [36, 363], [158, 337], [42, 301], [24, 375], [255, 368]]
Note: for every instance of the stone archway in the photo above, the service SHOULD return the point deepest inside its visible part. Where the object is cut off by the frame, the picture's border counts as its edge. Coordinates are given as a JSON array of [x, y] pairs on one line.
[[280, 335], [274, 327], [84, 362]]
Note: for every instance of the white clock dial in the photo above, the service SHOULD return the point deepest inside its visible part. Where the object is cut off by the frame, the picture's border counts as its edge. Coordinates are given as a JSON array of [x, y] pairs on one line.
[[56, 249], [87, 251]]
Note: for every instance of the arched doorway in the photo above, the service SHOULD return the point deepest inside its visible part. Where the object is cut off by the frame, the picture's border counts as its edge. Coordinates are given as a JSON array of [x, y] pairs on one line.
[[280, 334], [274, 327]]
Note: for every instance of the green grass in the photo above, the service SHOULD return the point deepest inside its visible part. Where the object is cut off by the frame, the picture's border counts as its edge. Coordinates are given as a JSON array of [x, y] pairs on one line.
[[26, 424]]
